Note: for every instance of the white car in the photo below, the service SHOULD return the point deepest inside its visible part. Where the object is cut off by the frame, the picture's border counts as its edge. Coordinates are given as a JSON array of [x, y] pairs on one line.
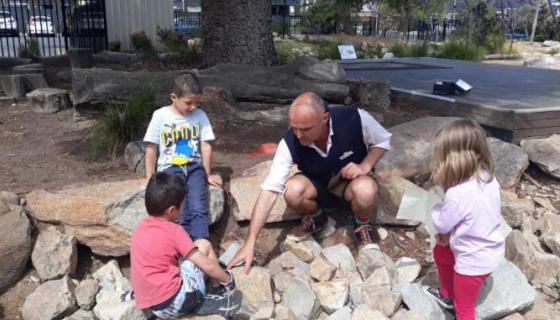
[[8, 24], [40, 25]]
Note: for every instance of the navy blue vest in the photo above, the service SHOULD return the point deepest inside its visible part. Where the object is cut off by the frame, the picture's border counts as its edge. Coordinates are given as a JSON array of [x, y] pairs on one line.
[[347, 146]]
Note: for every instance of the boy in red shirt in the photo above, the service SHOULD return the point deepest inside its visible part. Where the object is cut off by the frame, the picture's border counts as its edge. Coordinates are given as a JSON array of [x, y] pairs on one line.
[[168, 269]]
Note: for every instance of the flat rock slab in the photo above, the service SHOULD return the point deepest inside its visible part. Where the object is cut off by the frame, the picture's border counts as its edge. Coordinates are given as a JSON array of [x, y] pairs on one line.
[[49, 100]]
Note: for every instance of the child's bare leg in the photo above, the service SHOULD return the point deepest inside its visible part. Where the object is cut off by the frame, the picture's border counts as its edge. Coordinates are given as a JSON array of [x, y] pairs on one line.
[[205, 247]]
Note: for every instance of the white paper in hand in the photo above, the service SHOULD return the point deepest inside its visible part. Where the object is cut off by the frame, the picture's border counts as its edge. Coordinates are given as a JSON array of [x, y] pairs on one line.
[[416, 204]]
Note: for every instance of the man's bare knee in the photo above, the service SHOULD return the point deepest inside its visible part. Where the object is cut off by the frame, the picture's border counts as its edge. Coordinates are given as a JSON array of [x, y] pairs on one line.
[[298, 189], [363, 189]]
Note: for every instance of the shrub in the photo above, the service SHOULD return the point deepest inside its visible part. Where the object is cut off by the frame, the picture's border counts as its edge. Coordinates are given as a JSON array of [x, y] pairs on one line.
[[399, 50], [122, 123], [30, 50], [173, 41], [115, 46], [142, 44], [418, 50], [460, 51], [283, 54]]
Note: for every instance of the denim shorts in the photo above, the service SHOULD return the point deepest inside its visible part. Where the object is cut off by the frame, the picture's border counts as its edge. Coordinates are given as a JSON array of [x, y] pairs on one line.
[[189, 295]]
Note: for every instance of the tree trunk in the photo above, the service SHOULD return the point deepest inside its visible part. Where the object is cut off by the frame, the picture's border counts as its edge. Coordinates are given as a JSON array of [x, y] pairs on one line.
[[237, 31], [535, 20], [553, 15]]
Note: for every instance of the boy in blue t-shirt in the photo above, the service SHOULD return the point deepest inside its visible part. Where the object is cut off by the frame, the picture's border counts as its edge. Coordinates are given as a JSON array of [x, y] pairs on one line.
[[181, 133]]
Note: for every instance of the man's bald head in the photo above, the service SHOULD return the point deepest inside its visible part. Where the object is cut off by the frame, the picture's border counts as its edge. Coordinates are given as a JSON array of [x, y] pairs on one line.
[[308, 118], [308, 101]]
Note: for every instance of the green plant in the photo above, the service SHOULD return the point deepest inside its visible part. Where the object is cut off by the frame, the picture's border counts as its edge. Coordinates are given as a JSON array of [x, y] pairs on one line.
[[142, 44], [115, 46], [555, 286], [554, 51], [173, 41], [460, 51], [30, 50], [399, 50], [122, 123]]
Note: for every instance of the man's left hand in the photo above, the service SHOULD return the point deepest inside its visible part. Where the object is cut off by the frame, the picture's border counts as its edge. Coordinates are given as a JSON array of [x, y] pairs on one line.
[[353, 170]]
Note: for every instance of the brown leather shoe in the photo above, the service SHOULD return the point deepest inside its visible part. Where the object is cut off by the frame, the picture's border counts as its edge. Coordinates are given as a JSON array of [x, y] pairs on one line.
[[366, 235], [307, 226]]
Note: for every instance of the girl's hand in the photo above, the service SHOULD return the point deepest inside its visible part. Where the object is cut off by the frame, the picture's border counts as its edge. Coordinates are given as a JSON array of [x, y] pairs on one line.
[[215, 180], [442, 240]]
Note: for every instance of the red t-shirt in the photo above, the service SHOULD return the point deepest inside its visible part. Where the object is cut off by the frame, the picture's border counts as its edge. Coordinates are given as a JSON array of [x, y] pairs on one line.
[[155, 249]]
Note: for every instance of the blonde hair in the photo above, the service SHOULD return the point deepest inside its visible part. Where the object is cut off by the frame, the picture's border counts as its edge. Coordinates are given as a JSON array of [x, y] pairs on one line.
[[460, 153]]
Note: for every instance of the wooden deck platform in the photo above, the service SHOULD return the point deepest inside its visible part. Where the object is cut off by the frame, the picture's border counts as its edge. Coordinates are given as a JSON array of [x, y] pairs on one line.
[[513, 102]]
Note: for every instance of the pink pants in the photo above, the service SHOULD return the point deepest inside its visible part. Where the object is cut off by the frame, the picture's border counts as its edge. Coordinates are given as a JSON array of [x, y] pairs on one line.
[[462, 289]]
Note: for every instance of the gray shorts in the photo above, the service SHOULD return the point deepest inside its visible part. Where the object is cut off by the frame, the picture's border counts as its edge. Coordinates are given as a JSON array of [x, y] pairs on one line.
[[189, 295]]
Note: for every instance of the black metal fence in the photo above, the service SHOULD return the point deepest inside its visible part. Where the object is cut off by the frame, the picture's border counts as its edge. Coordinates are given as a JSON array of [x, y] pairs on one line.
[[287, 26], [51, 26]]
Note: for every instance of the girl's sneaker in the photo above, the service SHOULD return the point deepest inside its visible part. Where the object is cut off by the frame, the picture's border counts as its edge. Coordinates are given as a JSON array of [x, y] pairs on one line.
[[445, 302]]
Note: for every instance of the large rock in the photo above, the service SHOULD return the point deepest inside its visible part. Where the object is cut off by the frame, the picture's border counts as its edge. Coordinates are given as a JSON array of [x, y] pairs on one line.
[[382, 299], [29, 68], [552, 241], [364, 312], [411, 148], [510, 161], [55, 254], [321, 270], [340, 256], [51, 300], [85, 293], [16, 243], [545, 153], [17, 85], [539, 267], [408, 270], [245, 189], [254, 83], [49, 100], [391, 191], [418, 301], [514, 209], [80, 57], [301, 300], [332, 295], [81, 315], [506, 291], [306, 250], [101, 216], [134, 157], [371, 259], [256, 289], [112, 284]]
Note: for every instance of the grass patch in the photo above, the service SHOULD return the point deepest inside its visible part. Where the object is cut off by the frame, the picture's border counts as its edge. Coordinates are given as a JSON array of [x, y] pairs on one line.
[[121, 124]]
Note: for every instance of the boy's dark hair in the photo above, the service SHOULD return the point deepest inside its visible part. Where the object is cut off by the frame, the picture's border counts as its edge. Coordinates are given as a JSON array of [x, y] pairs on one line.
[[163, 191], [186, 84]]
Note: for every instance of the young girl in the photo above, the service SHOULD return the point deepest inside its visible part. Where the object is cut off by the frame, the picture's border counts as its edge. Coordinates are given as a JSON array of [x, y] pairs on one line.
[[469, 243]]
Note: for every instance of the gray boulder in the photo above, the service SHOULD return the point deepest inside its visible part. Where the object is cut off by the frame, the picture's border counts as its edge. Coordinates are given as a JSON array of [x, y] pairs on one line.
[[17, 85], [505, 292], [510, 161], [340, 256], [255, 288], [85, 293], [81, 315], [51, 300], [9, 198], [134, 157], [371, 259], [545, 153], [418, 301], [301, 300], [112, 284], [411, 148], [54, 254], [49, 100], [16, 243]]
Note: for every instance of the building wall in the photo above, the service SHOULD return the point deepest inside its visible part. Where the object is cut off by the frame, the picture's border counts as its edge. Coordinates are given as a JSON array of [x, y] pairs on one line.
[[124, 17]]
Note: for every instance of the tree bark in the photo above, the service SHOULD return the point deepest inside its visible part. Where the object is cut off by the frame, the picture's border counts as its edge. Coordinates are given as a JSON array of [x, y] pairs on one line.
[[535, 20], [237, 31]]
